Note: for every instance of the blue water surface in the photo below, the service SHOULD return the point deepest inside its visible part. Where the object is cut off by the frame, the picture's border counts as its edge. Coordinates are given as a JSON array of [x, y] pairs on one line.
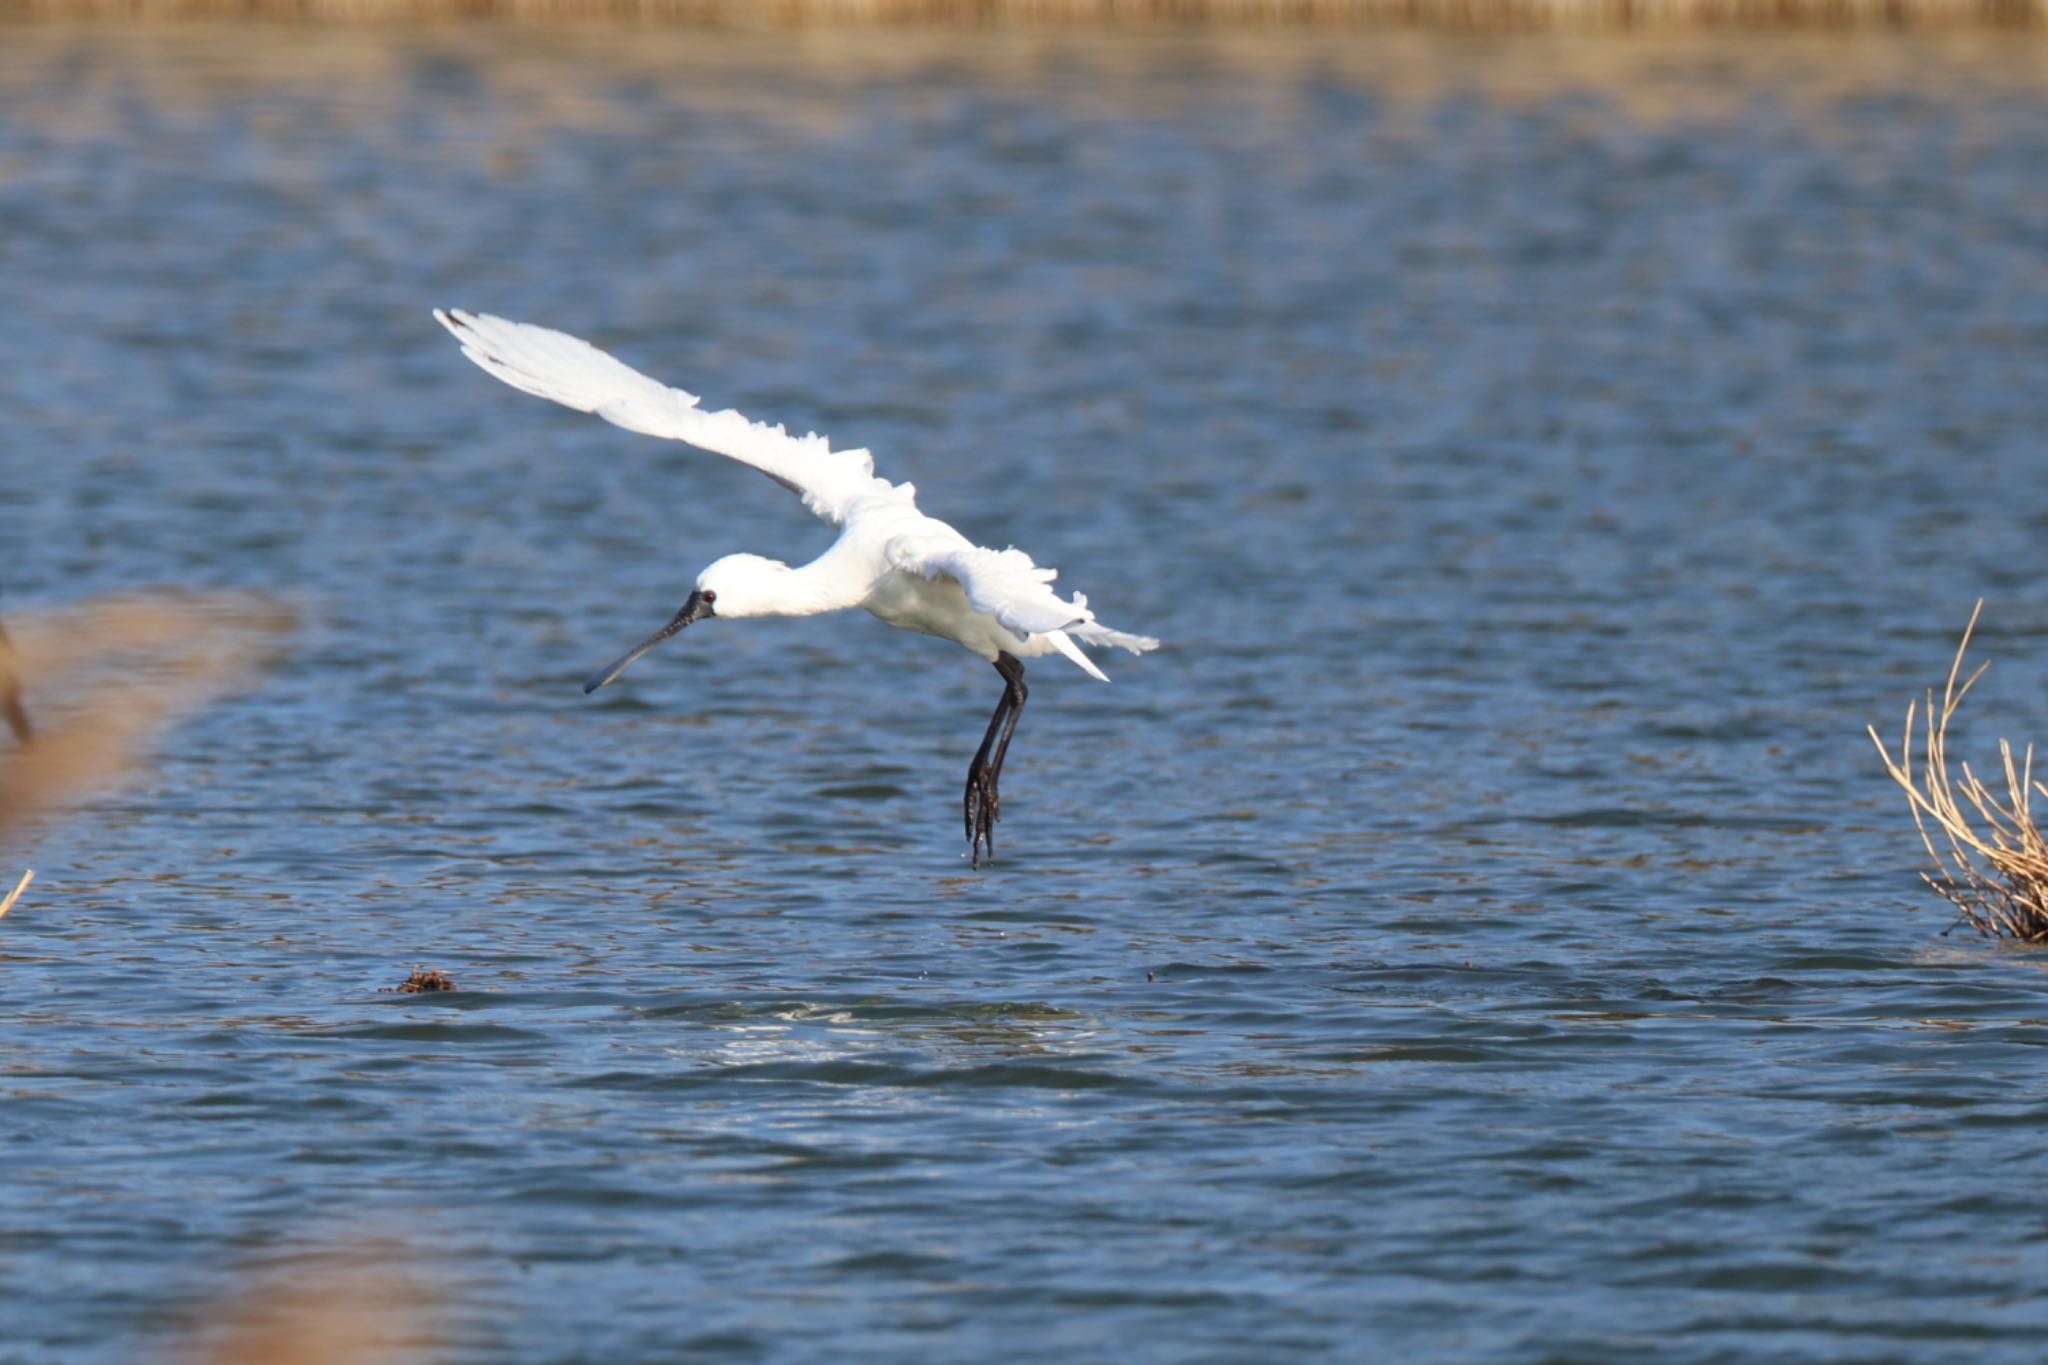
[[1482, 931]]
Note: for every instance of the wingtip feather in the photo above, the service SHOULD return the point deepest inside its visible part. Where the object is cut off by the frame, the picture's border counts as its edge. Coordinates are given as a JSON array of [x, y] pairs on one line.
[[569, 370]]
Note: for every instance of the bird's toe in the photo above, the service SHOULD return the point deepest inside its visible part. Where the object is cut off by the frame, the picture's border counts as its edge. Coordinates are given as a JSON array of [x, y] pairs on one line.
[[982, 807]]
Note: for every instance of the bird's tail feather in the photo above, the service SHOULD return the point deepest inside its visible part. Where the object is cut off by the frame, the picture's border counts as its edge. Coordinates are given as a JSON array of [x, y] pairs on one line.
[[1094, 633], [1091, 633], [1066, 646]]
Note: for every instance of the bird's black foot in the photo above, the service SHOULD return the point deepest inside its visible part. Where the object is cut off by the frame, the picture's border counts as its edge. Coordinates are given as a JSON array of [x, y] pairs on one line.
[[983, 802], [983, 806]]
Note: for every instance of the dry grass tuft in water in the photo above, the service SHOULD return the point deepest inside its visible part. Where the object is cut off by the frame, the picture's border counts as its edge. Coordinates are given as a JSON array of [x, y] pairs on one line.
[[103, 677], [422, 979], [1991, 862]]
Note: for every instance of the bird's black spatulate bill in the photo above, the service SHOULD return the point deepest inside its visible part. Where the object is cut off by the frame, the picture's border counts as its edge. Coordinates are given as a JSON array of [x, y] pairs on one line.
[[696, 609]]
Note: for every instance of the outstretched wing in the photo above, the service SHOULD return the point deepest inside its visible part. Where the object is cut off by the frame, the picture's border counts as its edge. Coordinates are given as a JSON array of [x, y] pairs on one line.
[[1007, 585], [573, 372]]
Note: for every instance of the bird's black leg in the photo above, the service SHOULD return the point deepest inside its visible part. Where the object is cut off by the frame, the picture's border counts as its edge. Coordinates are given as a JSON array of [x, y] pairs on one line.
[[983, 804], [980, 806], [1016, 696]]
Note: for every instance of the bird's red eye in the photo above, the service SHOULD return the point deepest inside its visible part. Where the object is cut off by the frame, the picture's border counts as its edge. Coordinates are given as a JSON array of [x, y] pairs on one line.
[[710, 597]]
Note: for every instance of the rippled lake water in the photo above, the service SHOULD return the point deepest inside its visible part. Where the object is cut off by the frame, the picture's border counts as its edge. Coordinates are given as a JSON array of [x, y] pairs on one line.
[[1482, 931]]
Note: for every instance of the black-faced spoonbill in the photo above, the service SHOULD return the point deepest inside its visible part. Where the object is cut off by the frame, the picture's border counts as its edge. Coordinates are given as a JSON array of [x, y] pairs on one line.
[[909, 569]]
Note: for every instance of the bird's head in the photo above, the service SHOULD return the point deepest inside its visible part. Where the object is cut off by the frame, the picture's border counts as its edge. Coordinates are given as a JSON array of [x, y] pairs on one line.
[[742, 585], [738, 585]]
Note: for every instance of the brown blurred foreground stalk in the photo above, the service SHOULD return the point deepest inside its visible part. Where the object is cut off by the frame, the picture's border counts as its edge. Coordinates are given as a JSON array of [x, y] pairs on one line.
[[10, 693], [1993, 868], [1453, 14], [102, 677], [331, 1305]]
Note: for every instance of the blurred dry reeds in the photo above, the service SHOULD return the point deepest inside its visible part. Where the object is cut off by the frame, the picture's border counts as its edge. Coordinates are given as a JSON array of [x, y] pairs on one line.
[[1452, 14], [10, 693], [340, 1304], [1990, 860], [101, 678]]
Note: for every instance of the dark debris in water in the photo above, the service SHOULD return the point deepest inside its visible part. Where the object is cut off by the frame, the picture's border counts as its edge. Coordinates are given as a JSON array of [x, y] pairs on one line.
[[422, 979]]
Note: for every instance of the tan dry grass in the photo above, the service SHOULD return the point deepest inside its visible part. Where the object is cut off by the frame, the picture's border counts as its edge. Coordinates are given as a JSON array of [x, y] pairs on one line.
[[102, 678], [1991, 861]]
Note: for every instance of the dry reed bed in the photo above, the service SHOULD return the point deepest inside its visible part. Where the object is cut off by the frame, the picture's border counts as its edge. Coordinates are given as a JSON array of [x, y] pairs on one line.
[[1990, 859], [86, 82], [1451, 14]]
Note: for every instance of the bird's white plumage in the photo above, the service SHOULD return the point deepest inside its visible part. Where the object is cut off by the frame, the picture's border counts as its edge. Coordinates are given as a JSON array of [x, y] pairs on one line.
[[909, 569]]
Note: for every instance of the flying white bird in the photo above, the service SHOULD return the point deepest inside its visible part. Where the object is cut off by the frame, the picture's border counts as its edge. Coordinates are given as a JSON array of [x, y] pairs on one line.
[[909, 569]]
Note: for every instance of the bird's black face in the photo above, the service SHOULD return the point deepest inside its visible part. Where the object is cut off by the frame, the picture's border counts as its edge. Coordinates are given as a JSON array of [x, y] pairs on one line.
[[695, 609]]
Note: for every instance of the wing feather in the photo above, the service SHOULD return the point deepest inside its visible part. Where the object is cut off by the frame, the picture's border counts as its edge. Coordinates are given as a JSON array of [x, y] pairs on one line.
[[576, 374]]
